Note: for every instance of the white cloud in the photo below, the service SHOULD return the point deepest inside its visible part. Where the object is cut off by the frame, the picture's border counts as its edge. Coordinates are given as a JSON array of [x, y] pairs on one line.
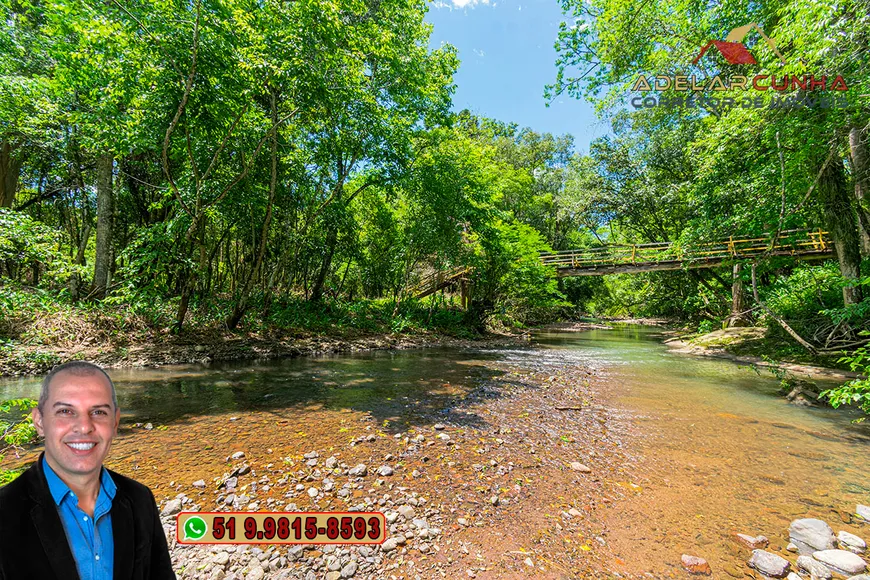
[[479, 53], [459, 4]]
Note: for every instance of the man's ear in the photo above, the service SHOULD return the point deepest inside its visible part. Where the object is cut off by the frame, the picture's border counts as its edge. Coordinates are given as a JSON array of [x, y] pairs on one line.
[[117, 421], [36, 415]]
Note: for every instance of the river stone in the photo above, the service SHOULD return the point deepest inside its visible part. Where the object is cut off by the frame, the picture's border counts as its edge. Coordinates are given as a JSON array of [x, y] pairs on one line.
[[171, 507], [385, 470], [860, 577], [793, 576], [238, 455], [841, 561], [389, 545], [753, 543], [334, 575], [816, 570], [359, 471], [255, 573], [221, 558], [348, 570], [406, 511], [852, 542], [695, 565], [577, 466], [769, 564], [811, 535], [863, 512]]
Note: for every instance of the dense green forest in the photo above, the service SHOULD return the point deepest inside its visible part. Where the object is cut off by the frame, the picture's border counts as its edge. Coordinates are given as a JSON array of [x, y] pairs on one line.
[[169, 167]]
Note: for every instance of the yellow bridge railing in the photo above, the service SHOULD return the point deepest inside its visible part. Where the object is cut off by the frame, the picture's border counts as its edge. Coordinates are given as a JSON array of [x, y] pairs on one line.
[[647, 256]]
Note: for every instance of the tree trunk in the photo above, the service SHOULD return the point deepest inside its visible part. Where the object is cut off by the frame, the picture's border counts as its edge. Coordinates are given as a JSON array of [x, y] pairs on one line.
[[331, 241], [79, 260], [242, 304], [105, 213], [738, 300], [861, 175], [839, 216], [10, 168]]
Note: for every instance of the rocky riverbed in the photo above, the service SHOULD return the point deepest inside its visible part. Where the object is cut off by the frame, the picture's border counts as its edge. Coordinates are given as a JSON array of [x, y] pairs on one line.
[[515, 463]]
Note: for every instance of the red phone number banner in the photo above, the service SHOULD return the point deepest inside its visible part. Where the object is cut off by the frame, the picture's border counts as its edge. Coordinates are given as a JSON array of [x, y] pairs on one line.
[[280, 528]]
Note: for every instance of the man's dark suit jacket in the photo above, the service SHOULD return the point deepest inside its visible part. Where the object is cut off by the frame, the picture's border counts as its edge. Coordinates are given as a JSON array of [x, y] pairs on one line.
[[33, 544]]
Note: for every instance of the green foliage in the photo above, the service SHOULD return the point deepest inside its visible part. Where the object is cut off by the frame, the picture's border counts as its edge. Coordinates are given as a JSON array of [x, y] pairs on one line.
[[27, 243], [16, 431], [857, 391]]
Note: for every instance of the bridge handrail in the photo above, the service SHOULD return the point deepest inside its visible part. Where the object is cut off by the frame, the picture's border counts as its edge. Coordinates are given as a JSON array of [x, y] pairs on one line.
[[787, 242]]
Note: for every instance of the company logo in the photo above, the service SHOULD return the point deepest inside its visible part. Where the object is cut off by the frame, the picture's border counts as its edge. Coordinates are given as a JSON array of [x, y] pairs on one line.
[[734, 51], [806, 91]]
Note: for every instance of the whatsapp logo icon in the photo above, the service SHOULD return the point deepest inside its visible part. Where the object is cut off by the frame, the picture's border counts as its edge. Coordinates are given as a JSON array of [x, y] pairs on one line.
[[194, 528]]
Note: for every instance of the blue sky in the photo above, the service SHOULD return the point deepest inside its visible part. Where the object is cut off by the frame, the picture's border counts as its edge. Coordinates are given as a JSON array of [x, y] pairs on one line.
[[507, 54]]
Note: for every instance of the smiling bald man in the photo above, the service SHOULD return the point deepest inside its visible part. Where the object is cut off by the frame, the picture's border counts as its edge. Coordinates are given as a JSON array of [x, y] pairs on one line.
[[68, 517]]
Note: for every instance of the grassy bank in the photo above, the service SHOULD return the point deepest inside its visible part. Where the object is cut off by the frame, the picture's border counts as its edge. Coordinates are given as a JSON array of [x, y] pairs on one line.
[[39, 329]]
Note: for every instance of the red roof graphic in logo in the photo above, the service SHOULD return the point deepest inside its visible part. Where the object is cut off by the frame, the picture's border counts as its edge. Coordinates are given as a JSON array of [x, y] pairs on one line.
[[732, 48]]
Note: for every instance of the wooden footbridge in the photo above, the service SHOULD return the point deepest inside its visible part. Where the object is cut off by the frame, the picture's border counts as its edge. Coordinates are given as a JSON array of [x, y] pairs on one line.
[[634, 258]]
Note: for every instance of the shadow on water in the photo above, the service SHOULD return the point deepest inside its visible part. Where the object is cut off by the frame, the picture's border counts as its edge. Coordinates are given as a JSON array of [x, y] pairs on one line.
[[399, 386]]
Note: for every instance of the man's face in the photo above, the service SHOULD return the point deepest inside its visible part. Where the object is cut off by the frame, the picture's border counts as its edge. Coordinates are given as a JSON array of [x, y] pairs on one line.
[[78, 422]]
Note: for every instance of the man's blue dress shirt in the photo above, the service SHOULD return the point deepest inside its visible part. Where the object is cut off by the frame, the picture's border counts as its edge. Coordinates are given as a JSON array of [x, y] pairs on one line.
[[92, 545]]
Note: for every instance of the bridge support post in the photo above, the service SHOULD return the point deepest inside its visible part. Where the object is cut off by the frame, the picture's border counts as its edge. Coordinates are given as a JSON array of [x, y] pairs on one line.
[[738, 300], [463, 294]]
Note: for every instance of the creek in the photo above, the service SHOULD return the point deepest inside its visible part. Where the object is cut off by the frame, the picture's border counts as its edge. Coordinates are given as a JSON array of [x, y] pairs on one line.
[[711, 447]]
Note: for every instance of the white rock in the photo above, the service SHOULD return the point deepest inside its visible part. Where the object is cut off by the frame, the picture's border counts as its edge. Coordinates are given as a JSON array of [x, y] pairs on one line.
[[816, 570], [171, 507], [851, 542], [863, 512], [238, 455], [769, 564], [390, 545], [385, 470], [199, 484], [359, 471], [577, 466], [255, 573], [349, 570], [313, 491], [841, 561], [811, 535]]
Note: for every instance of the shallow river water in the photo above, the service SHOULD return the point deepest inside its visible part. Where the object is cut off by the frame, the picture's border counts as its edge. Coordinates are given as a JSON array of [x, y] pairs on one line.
[[713, 448], [720, 451]]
